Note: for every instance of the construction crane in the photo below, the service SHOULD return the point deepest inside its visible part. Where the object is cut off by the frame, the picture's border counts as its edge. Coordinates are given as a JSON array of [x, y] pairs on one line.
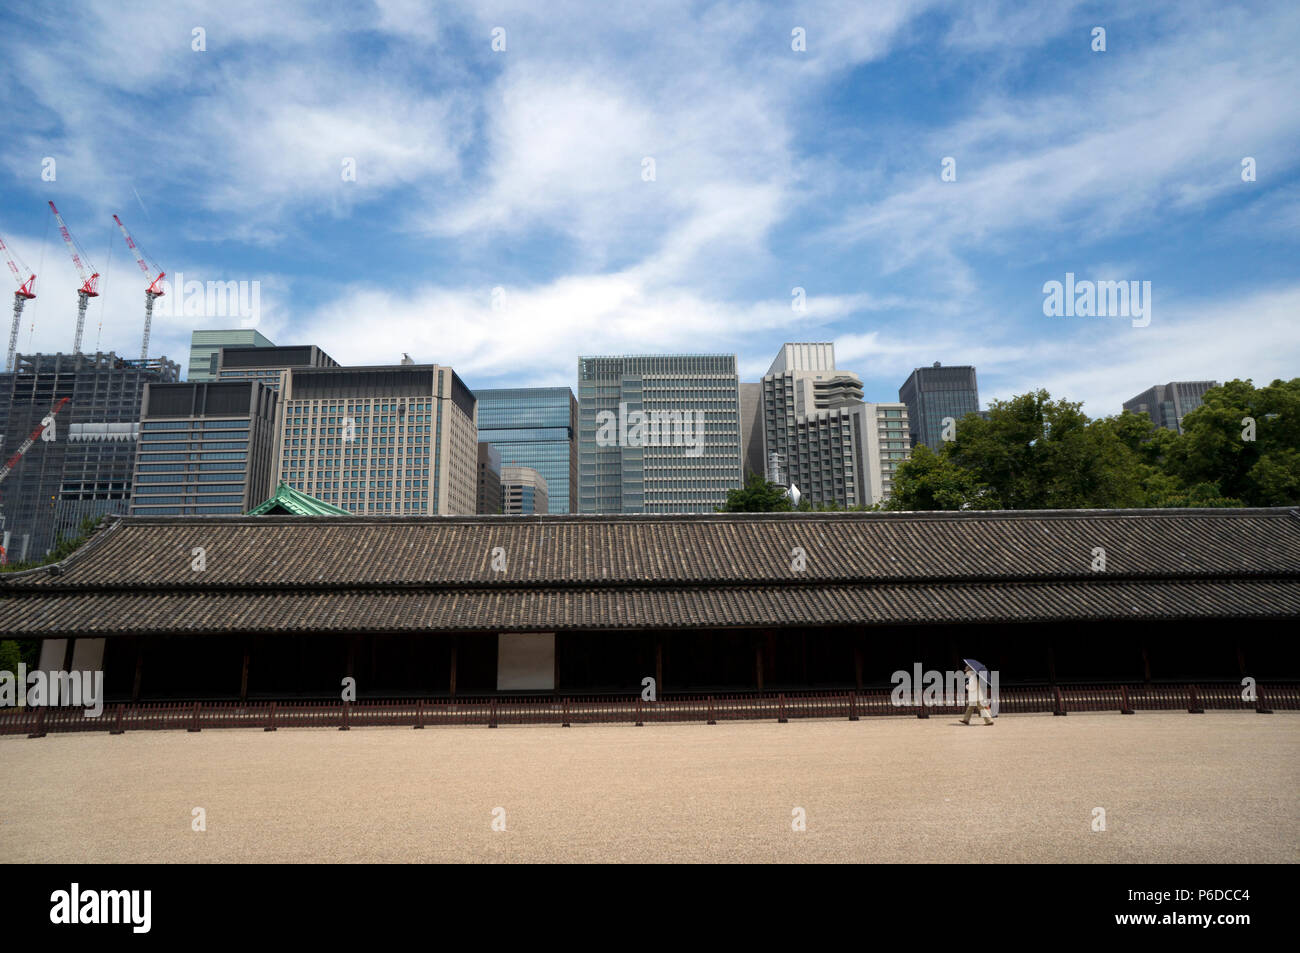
[[89, 285], [26, 291], [23, 448], [150, 293]]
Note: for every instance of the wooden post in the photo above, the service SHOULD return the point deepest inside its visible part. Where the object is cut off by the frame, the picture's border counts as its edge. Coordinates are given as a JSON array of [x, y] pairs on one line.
[[419, 714], [139, 671], [243, 678], [659, 665], [780, 709], [68, 648], [639, 722], [270, 719], [492, 715], [758, 664], [455, 645], [347, 707], [1124, 707], [1060, 703], [117, 724], [38, 729], [711, 721], [565, 723], [555, 680], [1195, 707], [857, 667], [853, 706], [194, 725]]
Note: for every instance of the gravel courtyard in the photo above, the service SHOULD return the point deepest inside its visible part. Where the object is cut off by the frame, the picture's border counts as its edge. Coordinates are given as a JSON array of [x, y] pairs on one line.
[[1224, 786]]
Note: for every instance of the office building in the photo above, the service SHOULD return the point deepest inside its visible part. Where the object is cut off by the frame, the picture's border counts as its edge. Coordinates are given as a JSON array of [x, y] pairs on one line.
[[751, 429], [489, 479], [205, 448], [535, 427], [82, 466], [658, 434], [266, 364], [523, 490], [934, 393], [395, 439], [204, 346], [820, 436], [1168, 404]]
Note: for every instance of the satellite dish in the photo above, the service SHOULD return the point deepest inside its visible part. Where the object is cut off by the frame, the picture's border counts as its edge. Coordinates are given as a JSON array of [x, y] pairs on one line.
[[794, 495]]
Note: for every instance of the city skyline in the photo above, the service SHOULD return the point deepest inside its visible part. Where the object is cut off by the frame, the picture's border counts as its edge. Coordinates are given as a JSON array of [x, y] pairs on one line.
[[774, 170]]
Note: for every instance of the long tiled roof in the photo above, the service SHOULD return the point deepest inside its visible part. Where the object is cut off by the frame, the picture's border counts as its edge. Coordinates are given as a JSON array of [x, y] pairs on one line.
[[351, 574]]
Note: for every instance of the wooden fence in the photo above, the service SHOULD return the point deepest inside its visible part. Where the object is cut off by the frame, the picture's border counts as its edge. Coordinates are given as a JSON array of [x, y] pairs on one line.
[[567, 710]]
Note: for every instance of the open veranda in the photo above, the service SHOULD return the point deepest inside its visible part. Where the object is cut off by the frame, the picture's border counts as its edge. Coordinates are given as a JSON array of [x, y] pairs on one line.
[[1094, 788]]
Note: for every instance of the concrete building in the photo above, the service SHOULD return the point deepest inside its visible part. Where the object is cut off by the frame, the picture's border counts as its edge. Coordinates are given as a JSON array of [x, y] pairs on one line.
[[489, 479], [523, 490], [751, 429], [933, 393], [658, 433], [205, 448], [386, 439], [819, 434], [266, 364], [83, 465], [204, 346], [535, 427], [1168, 404]]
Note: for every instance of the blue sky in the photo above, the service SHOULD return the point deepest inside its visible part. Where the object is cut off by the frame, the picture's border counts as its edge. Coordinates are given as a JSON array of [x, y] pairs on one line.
[[522, 170]]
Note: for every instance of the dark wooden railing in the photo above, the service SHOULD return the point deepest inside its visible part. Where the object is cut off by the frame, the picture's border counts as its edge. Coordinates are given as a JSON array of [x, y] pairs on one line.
[[567, 710]]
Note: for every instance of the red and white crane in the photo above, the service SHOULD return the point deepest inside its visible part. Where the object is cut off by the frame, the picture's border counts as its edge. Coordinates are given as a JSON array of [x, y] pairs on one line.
[[153, 291], [26, 291], [89, 284], [23, 448]]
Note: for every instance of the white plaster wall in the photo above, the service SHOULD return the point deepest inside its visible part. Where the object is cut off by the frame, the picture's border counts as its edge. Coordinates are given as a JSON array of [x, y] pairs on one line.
[[526, 661]]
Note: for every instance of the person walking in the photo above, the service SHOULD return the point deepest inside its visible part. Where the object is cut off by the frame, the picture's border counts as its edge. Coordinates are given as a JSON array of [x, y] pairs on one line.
[[976, 697]]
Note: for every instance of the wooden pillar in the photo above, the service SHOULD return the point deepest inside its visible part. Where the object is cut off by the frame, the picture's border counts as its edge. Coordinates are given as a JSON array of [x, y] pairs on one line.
[[559, 637], [139, 669], [68, 648], [758, 664], [243, 678], [857, 662], [659, 664], [455, 646]]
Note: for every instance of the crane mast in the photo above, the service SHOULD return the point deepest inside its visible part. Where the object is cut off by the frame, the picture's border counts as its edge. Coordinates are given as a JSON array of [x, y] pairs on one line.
[[89, 284], [26, 291], [150, 293]]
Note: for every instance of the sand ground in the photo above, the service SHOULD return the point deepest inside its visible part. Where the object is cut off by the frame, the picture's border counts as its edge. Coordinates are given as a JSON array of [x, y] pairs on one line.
[[1175, 788]]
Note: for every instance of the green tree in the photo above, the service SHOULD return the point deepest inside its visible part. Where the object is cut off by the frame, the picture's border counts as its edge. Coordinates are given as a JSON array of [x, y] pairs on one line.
[[756, 496]]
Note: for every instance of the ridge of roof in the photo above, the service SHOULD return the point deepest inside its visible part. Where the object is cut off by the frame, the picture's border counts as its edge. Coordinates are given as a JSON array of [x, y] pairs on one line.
[[822, 516]]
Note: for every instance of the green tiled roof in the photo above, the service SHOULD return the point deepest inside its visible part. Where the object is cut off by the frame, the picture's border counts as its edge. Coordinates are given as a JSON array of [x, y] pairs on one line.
[[288, 500]]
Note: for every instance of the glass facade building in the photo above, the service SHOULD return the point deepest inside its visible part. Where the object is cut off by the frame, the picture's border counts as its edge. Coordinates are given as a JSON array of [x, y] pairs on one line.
[[204, 346], [535, 427], [621, 472], [1168, 404], [205, 448], [933, 393]]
